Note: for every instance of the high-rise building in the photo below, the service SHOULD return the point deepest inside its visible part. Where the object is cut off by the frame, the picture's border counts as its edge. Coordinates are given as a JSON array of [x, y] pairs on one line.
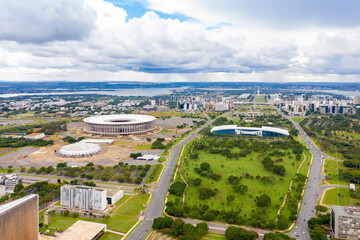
[[19, 219], [357, 100], [83, 197], [345, 222]]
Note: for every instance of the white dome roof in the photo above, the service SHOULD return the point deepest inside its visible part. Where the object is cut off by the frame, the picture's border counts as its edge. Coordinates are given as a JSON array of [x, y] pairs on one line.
[[80, 150]]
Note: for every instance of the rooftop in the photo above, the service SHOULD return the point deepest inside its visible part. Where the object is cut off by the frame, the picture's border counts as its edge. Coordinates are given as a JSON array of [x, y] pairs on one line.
[[348, 210], [82, 230], [33, 134], [119, 119], [112, 192], [13, 203]]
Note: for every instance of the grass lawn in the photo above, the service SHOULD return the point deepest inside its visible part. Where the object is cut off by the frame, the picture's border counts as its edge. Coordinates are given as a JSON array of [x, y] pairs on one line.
[[214, 236], [122, 221], [143, 147], [260, 99], [110, 236], [134, 206], [121, 201], [331, 170], [165, 153], [6, 170], [155, 172], [297, 119], [250, 164], [117, 222], [332, 198]]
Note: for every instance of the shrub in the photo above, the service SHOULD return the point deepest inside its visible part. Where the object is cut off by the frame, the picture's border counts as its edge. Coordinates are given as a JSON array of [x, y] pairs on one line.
[[177, 188]]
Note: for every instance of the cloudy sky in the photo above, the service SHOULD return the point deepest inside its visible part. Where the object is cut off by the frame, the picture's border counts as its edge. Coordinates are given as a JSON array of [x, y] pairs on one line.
[[180, 40]]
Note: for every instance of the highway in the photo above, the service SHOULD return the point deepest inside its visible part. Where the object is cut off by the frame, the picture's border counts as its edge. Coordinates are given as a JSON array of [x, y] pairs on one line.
[[313, 191], [157, 202]]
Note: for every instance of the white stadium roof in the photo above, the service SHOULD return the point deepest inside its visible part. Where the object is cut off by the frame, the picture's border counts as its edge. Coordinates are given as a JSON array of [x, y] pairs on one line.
[[120, 119], [80, 150]]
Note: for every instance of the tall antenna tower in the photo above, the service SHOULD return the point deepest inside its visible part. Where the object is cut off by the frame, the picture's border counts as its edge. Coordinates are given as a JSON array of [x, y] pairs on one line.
[[254, 107]]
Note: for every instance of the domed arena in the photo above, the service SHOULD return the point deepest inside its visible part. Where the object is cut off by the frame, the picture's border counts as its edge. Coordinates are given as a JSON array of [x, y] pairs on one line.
[[119, 125], [78, 150]]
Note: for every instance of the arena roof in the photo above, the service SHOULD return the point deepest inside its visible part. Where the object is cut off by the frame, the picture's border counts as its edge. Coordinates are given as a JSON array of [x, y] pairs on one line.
[[79, 150], [120, 119], [263, 128]]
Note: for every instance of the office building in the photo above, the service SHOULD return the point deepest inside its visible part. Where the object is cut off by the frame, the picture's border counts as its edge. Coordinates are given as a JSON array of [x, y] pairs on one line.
[[345, 222], [83, 197], [113, 195], [10, 180], [357, 100], [19, 219]]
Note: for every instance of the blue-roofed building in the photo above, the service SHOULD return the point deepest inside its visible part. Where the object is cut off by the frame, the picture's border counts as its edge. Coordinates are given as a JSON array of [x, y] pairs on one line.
[[252, 131]]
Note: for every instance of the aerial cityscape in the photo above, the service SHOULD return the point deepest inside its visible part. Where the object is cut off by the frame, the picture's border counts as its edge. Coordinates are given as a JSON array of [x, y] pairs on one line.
[[164, 120]]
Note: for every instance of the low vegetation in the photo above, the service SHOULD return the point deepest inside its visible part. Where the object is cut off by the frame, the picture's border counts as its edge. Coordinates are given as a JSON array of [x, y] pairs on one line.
[[120, 173]]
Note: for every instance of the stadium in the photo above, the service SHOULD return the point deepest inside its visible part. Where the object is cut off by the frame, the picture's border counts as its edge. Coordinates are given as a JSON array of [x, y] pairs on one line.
[[119, 125], [263, 131]]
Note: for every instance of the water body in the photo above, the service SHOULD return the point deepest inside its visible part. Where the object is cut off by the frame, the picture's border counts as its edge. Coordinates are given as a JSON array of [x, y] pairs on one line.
[[344, 93], [147, 92]]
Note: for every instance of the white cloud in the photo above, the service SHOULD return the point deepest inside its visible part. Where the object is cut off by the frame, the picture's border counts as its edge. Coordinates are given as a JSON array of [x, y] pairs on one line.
[[274, 13], [38, 21], [150, 48]]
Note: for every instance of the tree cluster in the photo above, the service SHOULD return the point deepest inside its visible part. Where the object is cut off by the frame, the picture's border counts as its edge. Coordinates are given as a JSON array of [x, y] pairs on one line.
[[237, 233], [178, 228]]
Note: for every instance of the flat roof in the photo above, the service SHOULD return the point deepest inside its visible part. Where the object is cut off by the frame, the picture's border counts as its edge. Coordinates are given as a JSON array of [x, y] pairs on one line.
[[13, 203], [112, 192], [347, 210], [82, 230], [120, 119], [33, 134]]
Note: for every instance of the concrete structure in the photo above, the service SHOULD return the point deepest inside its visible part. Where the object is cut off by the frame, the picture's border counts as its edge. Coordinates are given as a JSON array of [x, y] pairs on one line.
[[83, 230], [357, 100], [263, 131], [352, 187], [19, 219], [47, 217], [113, 195], [13, 135], [345, 222], [35, 136], [2, 191], [10, 180], [79, 149], [98, 141], [148, 157], [117, 125], [83, 197], [149, 108]]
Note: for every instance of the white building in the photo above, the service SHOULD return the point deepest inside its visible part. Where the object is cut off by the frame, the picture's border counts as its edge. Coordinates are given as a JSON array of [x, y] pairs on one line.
[[221, 106], [10, 180], [345, 222], [113, 195], [87, 198], [2, 191], [35, 136]]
